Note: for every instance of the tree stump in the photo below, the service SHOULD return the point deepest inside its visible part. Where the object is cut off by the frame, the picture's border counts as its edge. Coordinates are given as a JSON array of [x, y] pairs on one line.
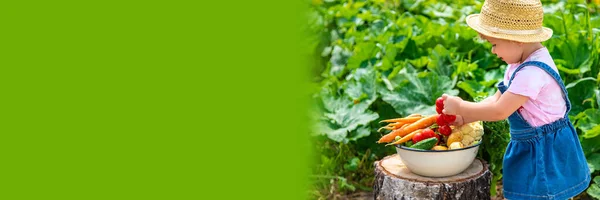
[[394, 181]]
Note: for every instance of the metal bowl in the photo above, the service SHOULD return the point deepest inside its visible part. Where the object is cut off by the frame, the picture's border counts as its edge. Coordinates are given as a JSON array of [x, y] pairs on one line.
[[437, 163]]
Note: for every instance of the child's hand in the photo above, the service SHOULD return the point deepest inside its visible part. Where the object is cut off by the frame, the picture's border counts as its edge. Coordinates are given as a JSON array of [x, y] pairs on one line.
[[451, 104], [459, 121]]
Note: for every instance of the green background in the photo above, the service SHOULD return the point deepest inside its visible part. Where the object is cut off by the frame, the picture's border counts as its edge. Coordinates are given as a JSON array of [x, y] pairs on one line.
[[152, 100]]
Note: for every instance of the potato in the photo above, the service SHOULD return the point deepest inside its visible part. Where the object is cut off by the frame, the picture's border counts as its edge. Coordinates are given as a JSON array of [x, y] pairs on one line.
[[454, 137], [456, 145], [439, 148]]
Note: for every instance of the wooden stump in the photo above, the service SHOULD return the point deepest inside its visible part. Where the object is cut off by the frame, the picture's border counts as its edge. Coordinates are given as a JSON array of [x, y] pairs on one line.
[[394, 181]]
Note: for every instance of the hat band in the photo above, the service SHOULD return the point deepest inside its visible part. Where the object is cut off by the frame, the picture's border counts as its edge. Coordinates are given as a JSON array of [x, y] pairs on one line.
[[511, 32]]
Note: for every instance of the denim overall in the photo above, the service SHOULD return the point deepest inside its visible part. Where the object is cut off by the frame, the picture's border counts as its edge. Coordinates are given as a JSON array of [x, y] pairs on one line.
[[544, 162]]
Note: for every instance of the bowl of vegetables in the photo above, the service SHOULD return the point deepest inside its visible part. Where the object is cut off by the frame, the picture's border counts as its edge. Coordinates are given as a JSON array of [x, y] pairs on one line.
[[447, 156], [430, 146]]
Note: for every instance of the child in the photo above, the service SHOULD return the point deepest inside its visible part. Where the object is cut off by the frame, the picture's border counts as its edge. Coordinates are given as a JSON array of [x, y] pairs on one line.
[[544, 159]]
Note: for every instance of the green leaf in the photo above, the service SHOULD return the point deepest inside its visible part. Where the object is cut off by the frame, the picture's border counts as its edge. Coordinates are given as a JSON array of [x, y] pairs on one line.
[[390, 53], [588, 122], [361, 54], [340, 115], [325, 161], [420, 62], [440, 61], [411, 4], [416, 93], [348, 119], [352, 165], [338, 60], [361, 85], [473, 88], [590, 145], [594, 161], [567, 70], [590, 118], [377, 27], [465, 69], [594, 189], [439, 10], [492, 77], [343, 184], [595, 131], [580, 90], [384, 65], [360, 132], [411, 51]]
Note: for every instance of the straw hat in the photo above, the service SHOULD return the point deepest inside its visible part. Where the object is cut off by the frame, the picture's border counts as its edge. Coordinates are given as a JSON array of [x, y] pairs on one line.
[[516, 20]]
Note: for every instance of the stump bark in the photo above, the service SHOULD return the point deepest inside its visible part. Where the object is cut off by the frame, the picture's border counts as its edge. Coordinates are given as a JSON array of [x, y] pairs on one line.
[[394, 181]]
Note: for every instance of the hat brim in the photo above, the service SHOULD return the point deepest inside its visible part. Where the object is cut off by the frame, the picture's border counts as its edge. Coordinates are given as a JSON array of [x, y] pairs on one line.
[[475, 23]]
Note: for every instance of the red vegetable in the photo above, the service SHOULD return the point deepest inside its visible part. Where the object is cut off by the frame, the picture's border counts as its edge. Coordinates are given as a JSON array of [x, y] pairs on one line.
[[445, 130], [439, 103], [428, 133], [418, 137], [440, 120], [449, 118], [439, 110]]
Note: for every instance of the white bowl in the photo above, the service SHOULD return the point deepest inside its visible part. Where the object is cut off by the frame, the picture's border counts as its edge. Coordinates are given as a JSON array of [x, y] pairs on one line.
[[437, 163]]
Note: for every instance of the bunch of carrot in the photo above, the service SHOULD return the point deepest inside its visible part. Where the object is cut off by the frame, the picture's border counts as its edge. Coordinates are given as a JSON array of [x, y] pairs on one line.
[[406, 127]]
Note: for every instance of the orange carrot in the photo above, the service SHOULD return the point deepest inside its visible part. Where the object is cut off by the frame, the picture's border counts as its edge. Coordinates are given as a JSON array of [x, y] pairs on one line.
[[396, 124], [386, 128], [392, 126], [405, 119], [415, 115], [399, 125], [390, 136], [422, 123], [407, 137]]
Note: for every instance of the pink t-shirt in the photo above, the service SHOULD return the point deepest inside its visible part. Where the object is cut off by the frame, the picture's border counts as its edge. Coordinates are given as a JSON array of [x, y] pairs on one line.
[[546, 103]]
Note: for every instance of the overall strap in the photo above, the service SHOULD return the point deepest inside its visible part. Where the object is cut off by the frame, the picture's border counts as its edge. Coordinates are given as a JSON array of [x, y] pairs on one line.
[[552, 73]]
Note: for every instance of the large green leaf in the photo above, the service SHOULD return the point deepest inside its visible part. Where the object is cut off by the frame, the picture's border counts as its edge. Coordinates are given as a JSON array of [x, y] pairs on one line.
[[595, 131], [420, 62], [416, 93], [492, 77], [337, 125], [361, 86], [579, 91], [589, 123], [339, 58], [465, 69], [362, 54], [360, 132], [410, 49], [594, 189], [340, 115], [439, 10], [473, 88], [440, 61], [590, 145], [594, 161]]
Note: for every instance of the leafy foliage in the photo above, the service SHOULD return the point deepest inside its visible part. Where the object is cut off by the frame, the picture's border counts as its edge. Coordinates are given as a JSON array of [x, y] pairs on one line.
[[378, 59]]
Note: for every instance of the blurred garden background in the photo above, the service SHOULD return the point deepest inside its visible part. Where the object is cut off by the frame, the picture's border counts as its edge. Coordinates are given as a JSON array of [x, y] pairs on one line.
[[380, 59]]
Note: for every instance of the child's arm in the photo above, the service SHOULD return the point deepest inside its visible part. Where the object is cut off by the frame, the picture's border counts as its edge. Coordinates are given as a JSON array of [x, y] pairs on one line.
[[493, 98], [462, 120], [491, 110]]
